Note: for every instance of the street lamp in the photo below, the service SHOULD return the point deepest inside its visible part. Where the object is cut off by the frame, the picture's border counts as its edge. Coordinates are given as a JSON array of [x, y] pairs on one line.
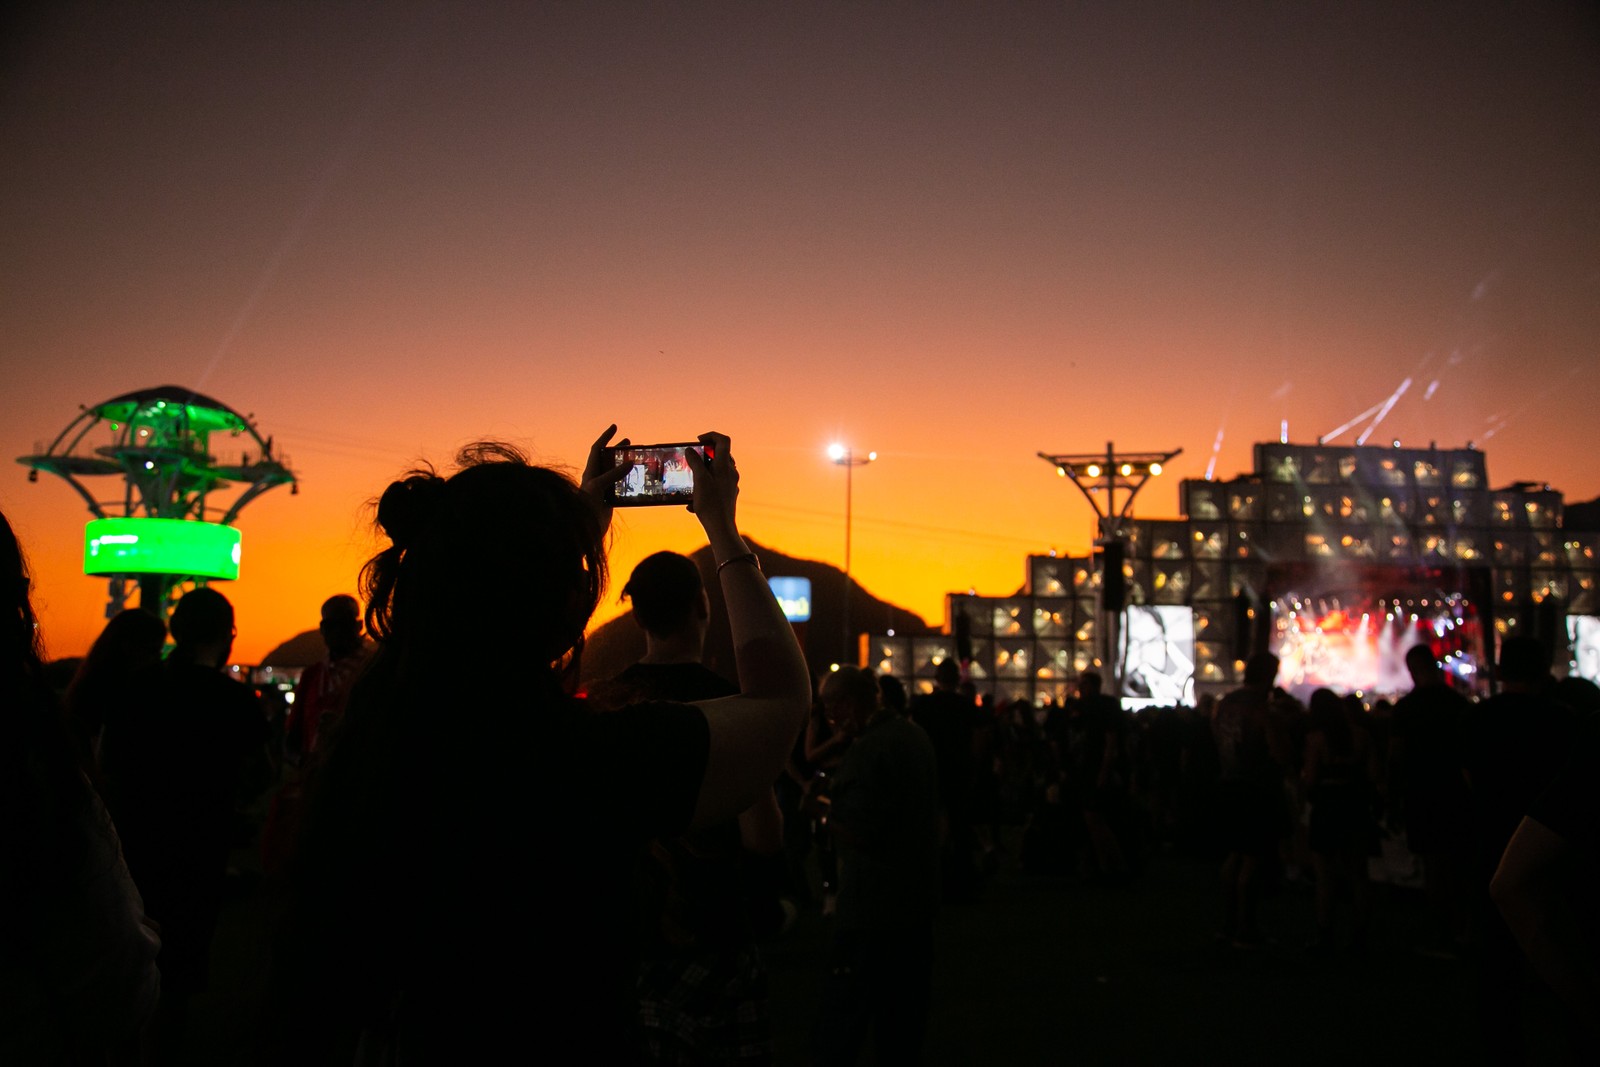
[[843, 456]]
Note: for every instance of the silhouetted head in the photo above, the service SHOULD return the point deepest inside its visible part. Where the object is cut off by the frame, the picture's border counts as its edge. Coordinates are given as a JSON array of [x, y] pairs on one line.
[[131, 640], [23, 648], [892, 694], [502, 561], [341, 625], [1261, 670], [1423, 665], [849, 697], [1524, 661], [1090, 683], [947, 675], [202, 623], [666, 593]]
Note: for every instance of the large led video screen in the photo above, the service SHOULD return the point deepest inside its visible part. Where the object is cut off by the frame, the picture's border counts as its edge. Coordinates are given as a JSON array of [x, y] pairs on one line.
[[160, 546], [1155, 655], [1348, 626], [1583, 633]]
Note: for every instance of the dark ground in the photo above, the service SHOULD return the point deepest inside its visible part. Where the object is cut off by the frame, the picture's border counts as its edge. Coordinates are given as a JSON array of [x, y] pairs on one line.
[[1055, 971]]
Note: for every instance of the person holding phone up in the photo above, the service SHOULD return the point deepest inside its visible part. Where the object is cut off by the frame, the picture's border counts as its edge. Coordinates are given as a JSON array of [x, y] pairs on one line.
[[463, 873]]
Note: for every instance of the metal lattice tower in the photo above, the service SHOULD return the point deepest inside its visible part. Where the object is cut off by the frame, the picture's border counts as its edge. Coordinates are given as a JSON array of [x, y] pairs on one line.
[[158, 444]]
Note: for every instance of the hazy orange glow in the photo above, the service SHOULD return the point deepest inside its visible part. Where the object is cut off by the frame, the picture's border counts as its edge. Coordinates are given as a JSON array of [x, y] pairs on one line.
[[954, 237]]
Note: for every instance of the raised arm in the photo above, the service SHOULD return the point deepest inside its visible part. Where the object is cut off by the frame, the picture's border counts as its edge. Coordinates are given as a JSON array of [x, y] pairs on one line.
[[752, 733]]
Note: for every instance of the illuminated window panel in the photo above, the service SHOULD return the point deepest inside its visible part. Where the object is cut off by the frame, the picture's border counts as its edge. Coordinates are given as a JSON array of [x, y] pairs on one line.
[[1319, 546], [1547, 547], [1545, 583], [1084, 634], [1468, 508], [1509, 548], [1169, 582], [1083, 659], [891, 655], [1468, 546], [1427, 473], [1136, 576], [1277, 465], [1433, 546], [1085, 578], [1581, 551], [1245, 504], [1169, 540], [1083, 608], [1210, 581], [1053, 660], [1544, 510], [1585, 599], [1202, 500], [1322, 468], [1247, 577], [1013, 659], [1467, 472], [1352, 543], [1011, 618], [1213, 620], [1049, 576], [1052, 618], [1208, 541], [1245, 541], [1284, 503], [1504, 509], [1394, 543], [1137, 537], [928, 652]]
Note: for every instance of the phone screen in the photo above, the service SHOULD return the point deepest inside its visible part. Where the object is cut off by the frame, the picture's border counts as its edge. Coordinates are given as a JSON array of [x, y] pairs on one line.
[[657, 474]]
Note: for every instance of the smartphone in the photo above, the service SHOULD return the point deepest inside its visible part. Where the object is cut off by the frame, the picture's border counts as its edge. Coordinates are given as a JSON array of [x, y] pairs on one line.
[[657, 474]]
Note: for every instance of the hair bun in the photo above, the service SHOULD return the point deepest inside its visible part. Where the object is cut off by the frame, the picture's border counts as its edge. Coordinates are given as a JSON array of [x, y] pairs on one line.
[[406, 507]]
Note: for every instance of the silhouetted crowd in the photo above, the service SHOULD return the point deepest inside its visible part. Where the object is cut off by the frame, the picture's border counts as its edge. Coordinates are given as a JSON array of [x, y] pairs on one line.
[[480, 865]]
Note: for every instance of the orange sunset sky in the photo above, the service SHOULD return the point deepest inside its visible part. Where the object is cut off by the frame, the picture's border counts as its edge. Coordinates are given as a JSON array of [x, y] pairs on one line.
[[955, 233]]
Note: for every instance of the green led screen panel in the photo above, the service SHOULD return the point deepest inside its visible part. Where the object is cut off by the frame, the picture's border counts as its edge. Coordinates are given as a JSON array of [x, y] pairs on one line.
[[161, 546]]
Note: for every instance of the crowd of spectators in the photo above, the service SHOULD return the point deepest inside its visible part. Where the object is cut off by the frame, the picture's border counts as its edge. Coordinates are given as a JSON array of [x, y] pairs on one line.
[[474, 856]]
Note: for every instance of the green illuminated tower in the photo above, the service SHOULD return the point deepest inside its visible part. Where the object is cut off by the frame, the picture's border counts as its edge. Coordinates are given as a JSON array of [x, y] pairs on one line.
[[173, 522]]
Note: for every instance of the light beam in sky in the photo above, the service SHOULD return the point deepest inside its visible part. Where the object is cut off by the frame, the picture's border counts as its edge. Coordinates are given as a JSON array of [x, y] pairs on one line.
[[1388, 406]]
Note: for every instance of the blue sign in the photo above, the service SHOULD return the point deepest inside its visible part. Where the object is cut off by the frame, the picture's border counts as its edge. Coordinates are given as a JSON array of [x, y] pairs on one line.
[[794, 596]]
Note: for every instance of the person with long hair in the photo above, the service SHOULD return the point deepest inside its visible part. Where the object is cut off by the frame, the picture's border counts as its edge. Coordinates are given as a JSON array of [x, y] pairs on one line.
[[78, 977], [461, 890]]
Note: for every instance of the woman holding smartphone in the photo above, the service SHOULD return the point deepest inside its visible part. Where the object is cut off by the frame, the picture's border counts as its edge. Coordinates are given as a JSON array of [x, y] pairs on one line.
[[463, 877]]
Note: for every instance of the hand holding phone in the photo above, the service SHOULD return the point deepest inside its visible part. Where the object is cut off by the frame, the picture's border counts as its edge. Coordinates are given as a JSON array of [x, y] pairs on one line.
[[654, 474]]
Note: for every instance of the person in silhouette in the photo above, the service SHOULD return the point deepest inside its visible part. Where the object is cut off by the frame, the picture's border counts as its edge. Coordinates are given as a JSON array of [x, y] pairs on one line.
[[1251, 809], [702, 985], [463, 882], [179, 758], [320, 699], [1428, 791], [950, 720], [1518, 741], [77, 958], [883, 810], [129, 646], [324, 688]]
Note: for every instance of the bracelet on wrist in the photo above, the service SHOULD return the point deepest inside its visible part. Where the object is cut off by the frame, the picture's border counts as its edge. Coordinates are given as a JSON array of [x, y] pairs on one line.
[[744, 557]]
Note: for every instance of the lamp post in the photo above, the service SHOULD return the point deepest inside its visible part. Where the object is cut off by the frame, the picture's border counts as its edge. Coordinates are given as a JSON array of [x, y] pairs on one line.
[[843, 456]]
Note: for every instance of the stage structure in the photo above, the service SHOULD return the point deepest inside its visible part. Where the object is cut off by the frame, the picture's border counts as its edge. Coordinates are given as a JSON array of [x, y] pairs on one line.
[[1338, 558], [172, 522]]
